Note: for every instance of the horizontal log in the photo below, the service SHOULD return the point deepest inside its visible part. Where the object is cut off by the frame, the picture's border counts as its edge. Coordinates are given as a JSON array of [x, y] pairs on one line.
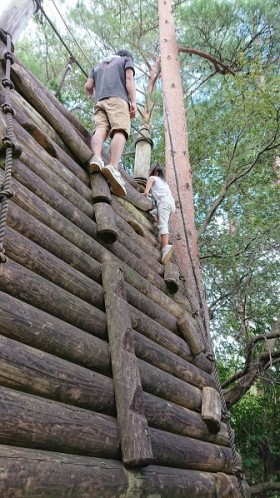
[[31, 89], [54, 243], [26, 114], [191, 334], [137, 199], [28, 369], [138, 215], [24, 323], [36, 423], [26, 472], [44, 134], [32, 148], [68, 189], [172, 450], [164, 385], [129, 218], [170, 417], [43, 263], [82, 131], [35, 290], [44, 236], [105, 222], [127, 176], [35, 207], [143, 303], [167, 361], [84, 207]]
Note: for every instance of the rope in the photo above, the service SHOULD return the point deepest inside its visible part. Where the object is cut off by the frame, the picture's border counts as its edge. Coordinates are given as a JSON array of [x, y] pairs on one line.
[[68, 29], [67, 69], [205, 332], [11, 148], [60, 37]]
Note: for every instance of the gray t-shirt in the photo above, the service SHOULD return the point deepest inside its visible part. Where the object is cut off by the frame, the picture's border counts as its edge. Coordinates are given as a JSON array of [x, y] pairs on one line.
[[109, 77]]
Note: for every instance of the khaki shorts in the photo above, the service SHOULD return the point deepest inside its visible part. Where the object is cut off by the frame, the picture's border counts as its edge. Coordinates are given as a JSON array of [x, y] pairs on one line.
[[112, 114]]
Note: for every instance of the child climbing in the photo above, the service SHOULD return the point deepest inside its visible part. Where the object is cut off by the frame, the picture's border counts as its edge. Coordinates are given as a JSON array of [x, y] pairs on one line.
[[165, 207], [113, 87]]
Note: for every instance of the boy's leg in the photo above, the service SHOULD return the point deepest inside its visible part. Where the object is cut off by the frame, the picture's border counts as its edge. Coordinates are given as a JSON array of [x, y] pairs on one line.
[[100, 133], [98, 140], [111, 170], [116, 148]]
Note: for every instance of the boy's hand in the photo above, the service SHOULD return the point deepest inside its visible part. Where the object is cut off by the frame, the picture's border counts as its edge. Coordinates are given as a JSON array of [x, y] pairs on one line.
[[132, 110]]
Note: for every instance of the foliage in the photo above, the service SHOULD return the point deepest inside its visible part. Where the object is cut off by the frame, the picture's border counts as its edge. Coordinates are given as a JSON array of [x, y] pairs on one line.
[[259, 442]]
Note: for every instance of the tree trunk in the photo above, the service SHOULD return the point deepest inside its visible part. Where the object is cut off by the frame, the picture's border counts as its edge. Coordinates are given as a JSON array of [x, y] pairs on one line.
[[178, 169]]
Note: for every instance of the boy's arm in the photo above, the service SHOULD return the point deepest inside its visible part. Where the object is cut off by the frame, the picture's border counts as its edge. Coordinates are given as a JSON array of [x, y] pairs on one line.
[[149, 184], [131, 90], [89, 87]]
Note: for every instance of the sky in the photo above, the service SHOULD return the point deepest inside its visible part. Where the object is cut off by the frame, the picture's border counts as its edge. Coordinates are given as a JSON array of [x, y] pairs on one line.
[[50, 8]]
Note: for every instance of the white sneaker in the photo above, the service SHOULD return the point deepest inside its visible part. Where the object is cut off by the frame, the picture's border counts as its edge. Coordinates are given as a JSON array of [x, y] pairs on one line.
[[96, 164], [114, 178], [166, 254]]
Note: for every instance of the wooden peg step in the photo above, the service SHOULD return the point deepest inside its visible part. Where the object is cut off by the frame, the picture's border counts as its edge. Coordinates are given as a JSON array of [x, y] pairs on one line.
[[100, 189], [171, 277], [105, 222], [211, 409]]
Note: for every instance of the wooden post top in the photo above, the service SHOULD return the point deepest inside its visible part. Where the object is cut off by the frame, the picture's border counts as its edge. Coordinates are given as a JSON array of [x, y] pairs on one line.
[[14, 18]]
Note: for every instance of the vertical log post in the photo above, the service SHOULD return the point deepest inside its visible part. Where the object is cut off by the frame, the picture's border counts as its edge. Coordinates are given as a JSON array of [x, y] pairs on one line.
[[14, 17], [211, 409], [171, 277], [190, 334], [143, 151], [134, 433]]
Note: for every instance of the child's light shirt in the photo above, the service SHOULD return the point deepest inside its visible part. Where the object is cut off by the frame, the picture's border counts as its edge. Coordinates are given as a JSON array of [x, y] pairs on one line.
[[160, 189]]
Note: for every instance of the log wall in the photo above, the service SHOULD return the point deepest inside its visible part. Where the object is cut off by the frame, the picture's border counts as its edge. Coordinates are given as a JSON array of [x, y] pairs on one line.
[[61, 430]]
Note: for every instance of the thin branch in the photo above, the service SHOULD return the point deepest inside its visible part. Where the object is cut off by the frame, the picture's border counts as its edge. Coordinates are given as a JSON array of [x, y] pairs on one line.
[[219, 66], [230, 182]]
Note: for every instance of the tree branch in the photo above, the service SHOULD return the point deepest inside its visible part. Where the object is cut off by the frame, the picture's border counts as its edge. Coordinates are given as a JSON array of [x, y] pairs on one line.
[[252, 369], [230, 182], [263, 487], [219, 66]]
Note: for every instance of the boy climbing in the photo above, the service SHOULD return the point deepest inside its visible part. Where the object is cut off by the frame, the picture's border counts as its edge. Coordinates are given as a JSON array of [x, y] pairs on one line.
[[113, 87], [165, 207]]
